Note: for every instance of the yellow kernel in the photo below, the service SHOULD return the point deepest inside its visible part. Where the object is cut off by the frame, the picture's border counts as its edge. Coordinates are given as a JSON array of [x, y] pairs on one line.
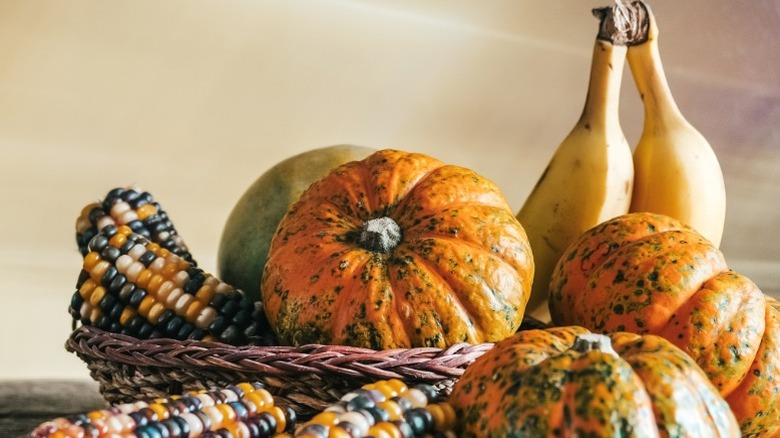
[[90, 260], [439, 416], [154, 283], [392, 408], [153, 247], [450, 417], [337, 432], [228, 413], [99, 269], [386, 389], [281, 421], [160, 410], [95, 415], [170, 269], [86, 289], [143, 278], [325, 418], [127, 314], [193, 310], [377, 431], [204, 294], [399, 386], [97, 295], [146, 210], [124, 229], [117, 240], [146, 305], [156, 312], [246, 387]]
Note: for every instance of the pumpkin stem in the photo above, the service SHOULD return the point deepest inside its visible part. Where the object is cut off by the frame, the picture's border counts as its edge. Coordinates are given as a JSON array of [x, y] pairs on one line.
[[593, 342], [380, 235]]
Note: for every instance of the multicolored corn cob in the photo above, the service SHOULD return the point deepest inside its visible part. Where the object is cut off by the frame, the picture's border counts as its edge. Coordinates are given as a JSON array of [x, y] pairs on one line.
[[133, 286], [242, 410], [138, 210], [383, 409]]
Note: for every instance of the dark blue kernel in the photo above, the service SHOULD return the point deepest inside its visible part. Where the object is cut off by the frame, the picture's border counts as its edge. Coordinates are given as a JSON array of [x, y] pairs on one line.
[[402, 402], [107, 303], [360, 402], [116, 284], [136, 297], [110, 253], [109, 275], [98, 243], [112, 197], [173, 325], [165, 317], [127, 246], [126, 292], [146, 330], [147, 258], [95, 214]]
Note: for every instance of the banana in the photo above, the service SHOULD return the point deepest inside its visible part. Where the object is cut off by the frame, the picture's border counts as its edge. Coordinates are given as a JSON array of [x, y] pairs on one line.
[[589, 178], [676, 170]]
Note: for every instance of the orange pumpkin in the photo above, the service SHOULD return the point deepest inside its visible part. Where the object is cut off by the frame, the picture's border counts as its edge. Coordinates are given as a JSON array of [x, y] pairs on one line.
[[648, 273], [566, 381], [398, 250]]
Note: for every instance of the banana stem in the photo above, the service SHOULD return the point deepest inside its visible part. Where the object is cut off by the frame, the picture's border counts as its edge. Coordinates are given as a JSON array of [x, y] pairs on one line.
[[606, 73], [644, 60]]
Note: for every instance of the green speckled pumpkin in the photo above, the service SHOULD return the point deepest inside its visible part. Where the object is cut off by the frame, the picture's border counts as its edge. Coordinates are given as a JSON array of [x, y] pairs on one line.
[[394, 251], [246, 236], [648, 273], [568, 382]]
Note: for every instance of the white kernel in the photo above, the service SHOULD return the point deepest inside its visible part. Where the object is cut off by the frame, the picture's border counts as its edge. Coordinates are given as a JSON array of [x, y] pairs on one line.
[[128, 217], [206, 317], [123, 262], [157, 265], [136, 251], [119, 208], [183, 303], [173, 297], [133, 271], [105, 221], [180, 278]]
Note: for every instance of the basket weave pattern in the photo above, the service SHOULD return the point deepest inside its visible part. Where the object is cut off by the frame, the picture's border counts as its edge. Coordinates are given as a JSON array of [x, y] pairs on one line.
[[308, 378]]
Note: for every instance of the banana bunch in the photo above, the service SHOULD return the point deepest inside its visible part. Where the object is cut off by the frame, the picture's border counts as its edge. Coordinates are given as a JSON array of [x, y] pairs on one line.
[[593, 176]]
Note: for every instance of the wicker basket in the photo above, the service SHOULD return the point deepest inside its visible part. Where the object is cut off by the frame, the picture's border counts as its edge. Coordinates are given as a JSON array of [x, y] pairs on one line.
[[308, 378]]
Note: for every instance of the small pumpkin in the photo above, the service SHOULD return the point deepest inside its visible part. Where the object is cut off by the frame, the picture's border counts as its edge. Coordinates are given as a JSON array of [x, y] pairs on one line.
[[398, 250], [566, 381], [650, 274], [247, 233]]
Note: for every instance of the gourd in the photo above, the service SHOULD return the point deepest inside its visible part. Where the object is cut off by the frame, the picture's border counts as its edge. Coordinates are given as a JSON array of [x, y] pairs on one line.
[[394, 251], [566, 381], [247, 233], [650, 274]]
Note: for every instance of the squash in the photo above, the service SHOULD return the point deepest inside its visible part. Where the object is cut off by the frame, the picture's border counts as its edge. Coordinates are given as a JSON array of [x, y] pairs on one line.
[[649, 274], [394, 251], [566, 381], [247, 233]]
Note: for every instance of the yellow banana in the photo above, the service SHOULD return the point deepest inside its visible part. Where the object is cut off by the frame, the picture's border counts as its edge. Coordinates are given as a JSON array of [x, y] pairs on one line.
[[587, 181], [677, 172]]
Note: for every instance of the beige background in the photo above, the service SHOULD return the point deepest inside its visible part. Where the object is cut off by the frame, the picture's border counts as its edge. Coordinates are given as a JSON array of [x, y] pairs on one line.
[[192, 100]]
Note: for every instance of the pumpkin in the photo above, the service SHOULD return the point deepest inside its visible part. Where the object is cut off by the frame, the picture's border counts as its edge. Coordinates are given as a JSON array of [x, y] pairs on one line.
[[566, 381], [649, 274], [247, 233], [398, 250]]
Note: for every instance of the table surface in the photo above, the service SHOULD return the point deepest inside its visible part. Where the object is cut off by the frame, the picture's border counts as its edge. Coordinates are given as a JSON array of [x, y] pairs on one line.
[[24, 404]]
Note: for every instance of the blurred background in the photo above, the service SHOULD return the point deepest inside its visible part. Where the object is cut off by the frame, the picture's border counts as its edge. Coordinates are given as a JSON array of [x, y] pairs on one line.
[[193, 100]]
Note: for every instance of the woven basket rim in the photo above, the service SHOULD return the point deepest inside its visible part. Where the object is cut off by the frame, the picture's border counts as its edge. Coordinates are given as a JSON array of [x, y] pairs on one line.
[[419, 363]]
